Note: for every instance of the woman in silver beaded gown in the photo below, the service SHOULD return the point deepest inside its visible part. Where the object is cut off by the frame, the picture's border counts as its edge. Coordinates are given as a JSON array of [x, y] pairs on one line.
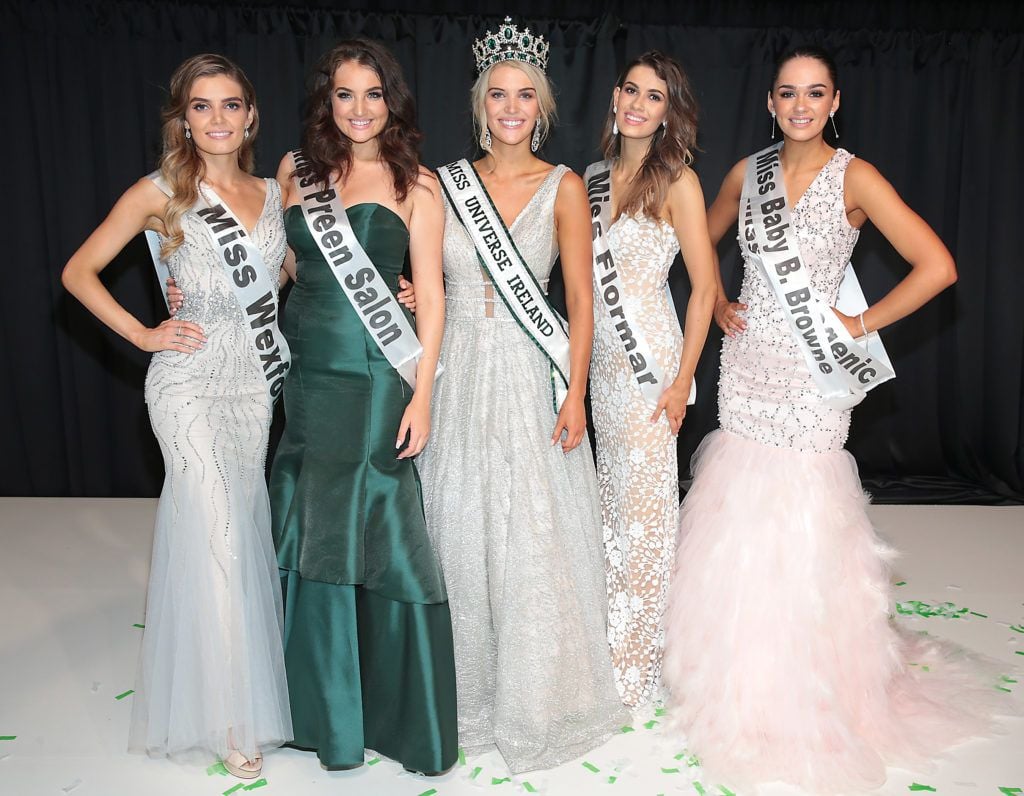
[[779, 652], [514, 516], [211, 678]]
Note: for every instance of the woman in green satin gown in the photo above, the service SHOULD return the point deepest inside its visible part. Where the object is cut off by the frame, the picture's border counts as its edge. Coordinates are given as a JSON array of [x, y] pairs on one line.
[[368, 637]]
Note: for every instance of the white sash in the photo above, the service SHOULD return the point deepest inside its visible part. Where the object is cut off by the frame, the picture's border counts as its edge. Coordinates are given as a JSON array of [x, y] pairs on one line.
[[842, 369], [357, 276], [250, 281], [507, 269], [610, 292]]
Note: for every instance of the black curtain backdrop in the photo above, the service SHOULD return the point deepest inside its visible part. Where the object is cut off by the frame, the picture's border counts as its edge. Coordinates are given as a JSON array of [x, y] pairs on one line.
[[932, 94]]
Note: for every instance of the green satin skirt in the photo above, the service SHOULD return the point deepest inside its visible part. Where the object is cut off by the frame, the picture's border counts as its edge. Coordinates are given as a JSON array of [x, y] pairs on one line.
[[368, 672]]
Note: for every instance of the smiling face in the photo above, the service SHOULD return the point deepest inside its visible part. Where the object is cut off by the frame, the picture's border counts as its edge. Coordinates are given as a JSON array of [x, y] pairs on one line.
[[357, 102], [217, 115], [802, 98], [511, 106], [641, 103]]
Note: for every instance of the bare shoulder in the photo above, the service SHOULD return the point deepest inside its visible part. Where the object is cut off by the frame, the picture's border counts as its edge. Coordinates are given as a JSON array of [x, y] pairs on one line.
[[860, 173], [686, 183], [427, 181], [144, 195], [571, 187]]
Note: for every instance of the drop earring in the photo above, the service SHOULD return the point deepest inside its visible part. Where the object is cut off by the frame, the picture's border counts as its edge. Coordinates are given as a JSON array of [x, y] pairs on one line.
[[535, 141], [773, 125], [485, 140], [664, 123], [246, 132], [832, 118], [188, 132], [615, 123]]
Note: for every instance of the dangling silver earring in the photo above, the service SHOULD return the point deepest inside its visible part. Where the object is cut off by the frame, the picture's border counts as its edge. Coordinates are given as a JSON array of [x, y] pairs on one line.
[[188, 132], [485, 140], [773, 125], [832, 118], [664, 123], [535, 141], [246, 132], [615, 122]]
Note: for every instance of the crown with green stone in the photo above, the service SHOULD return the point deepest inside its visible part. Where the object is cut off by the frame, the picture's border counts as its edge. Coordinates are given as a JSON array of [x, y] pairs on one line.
[[509, 44]]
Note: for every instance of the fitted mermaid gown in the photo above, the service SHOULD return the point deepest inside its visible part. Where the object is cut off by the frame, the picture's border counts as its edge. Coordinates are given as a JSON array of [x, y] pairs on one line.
[[516, 522], [780, 655], [211, 657], [637, 469], [368, 637]]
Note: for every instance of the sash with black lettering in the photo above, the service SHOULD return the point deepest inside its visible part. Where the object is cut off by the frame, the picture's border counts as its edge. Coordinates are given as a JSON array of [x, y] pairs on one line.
[[246, 272], [609, 291], [357, 276], [507, 269], [842, 369]]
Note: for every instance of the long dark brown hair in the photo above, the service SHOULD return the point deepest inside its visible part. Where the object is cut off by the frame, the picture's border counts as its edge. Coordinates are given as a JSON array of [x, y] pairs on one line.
[[329, 150], [180, 162], [671, 149]]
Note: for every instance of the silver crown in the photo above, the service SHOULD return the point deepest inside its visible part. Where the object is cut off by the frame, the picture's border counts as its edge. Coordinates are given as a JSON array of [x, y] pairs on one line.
[[508, 44]]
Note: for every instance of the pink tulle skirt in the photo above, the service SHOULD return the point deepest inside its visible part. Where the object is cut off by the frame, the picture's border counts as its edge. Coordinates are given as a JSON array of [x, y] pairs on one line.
[[780, 655]]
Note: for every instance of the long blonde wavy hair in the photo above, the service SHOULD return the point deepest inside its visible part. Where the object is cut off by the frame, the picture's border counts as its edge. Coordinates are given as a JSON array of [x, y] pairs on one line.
[[180, 163]]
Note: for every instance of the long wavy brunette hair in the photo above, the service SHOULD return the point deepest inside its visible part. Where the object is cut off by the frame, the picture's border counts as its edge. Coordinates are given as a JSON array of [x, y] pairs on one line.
[[180, 163], [671, 149], [329, 150]]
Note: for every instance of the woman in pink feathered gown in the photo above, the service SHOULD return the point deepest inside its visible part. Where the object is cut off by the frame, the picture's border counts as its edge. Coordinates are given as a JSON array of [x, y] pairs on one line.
[[780, 657]]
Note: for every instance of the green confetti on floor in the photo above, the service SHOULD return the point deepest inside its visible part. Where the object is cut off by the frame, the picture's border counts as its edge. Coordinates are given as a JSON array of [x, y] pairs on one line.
[[7, 737], [590, 766], [138, 626], [983, 616], [921, 608], [500, 780], [1018, 652], [918, 786], [1003, 688], [726, 791], [926, 668], [462, 756], [626, 728], [528, 787], [474, 772], [217, 768], [699, 788], [611, 780], [1017, 628], [126, 693], [430, 792], [1004, 678], [1010, 791], [651, 724], [901, 583], [260, 783], [693, 761], [660, 711], [373, 762], [669, 770], [231, 790], [680, 756]]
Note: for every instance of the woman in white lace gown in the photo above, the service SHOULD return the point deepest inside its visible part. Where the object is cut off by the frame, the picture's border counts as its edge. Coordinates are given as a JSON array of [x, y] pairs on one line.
[[779, 653], [515, 517], [211, 678], [657, 207]]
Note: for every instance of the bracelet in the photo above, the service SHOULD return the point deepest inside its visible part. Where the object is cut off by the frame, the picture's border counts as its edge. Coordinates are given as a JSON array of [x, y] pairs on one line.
[[863, 327]]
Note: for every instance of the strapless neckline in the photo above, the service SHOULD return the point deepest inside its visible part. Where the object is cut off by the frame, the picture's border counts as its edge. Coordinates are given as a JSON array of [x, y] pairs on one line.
[[350, 208]]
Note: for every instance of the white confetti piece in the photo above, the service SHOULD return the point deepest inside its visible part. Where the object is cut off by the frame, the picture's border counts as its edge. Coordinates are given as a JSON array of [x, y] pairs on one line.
[[72, 786]]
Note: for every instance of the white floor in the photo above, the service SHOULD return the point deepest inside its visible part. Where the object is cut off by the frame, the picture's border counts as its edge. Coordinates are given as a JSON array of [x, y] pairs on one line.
[[72, 590]]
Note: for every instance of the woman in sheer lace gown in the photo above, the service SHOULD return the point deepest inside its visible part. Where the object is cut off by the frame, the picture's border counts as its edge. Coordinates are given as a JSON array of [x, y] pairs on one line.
[[211, 676], [515, 517], [780, 655], [652, 108]]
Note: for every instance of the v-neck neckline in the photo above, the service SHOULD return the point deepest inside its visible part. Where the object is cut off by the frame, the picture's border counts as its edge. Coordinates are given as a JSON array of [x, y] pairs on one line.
[[793, 205], [263, 210], [525, 207]]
